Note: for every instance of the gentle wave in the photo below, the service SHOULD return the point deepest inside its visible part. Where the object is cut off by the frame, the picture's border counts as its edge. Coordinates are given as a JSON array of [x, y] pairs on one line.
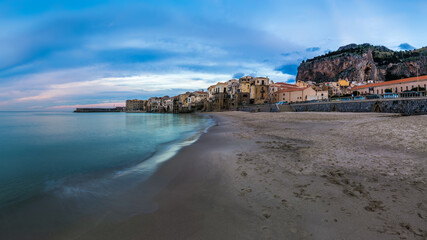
[[102, 186]]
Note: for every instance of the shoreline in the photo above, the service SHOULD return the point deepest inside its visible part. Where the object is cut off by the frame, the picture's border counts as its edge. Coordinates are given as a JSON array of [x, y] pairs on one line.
[[249, 178]]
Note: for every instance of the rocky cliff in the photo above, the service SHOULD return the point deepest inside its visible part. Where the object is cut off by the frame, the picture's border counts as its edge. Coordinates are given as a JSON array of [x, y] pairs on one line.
[[364, 62]]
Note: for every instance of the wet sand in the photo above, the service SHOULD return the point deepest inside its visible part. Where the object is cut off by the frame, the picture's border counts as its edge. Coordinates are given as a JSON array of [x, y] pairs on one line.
[[286, 176]]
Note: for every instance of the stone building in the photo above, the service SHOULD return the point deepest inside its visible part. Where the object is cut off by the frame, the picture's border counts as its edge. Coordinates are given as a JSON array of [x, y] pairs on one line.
[[233, 92], [135, 105], [200, 97], [245, 90], [218, 96], [259, 90]]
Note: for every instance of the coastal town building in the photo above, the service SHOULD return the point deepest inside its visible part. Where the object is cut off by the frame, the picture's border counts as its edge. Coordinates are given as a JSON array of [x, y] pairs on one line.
[[319, 96], [302, 84], [395, 86], [248, 92], [201, 96], [275, 87], [245, 90], [218, 96], [295, 94], [135, 105], [234, 92], [259, 90], [152, 104], [245, 84]]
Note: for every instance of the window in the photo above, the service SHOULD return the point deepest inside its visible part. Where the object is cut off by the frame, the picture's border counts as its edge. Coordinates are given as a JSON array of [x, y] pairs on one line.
[[401, 89], [406, 87], [262, 82]]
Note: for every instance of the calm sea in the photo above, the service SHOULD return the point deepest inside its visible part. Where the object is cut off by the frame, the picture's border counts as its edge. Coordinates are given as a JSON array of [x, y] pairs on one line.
[[72, 163]]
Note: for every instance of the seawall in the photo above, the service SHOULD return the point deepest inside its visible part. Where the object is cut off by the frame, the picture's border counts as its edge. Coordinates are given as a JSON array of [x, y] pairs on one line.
[[408, 106]]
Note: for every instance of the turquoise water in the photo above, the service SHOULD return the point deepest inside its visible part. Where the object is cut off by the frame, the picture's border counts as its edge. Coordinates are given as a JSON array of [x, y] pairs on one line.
[[85, 154]]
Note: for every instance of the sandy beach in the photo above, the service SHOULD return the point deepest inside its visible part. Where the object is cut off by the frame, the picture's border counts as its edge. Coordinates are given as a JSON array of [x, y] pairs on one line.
[[287, 176]]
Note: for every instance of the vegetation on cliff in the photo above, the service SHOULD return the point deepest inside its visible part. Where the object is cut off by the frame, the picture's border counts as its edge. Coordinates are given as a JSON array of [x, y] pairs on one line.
[[364, 62]]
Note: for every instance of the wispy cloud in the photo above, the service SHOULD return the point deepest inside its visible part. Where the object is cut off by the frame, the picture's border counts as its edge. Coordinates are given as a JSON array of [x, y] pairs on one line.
[[312, 49], [88, 52], [98, 105]]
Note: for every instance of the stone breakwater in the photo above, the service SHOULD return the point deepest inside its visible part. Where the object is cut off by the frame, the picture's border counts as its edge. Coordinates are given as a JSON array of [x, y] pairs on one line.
[[403, 106]]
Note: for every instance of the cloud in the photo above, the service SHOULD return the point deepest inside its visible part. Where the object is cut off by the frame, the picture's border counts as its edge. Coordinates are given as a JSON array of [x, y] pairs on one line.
[[288, 69], [110, 88], [406, 46], [98, 105], [312, 49], [89, 52], [238, 75]]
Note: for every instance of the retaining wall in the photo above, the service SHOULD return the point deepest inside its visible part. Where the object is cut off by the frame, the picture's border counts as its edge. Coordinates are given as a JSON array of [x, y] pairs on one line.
[[405, 106]]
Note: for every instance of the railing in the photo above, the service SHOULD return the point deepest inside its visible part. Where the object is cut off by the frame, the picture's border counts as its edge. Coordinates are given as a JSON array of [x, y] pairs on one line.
[[409, 94]]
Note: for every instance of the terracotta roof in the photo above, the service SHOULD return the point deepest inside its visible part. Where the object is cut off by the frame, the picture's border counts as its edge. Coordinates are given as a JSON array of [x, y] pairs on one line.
[[291, 90], [282, 83], [404, 80]]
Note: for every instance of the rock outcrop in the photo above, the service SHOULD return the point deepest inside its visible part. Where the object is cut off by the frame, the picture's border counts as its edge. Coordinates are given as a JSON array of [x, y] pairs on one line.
[[364, 62]]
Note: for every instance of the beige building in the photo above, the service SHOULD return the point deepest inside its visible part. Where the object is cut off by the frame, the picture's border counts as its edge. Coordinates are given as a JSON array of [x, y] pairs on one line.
[[200, 95], [320, 95], [218, 96], [301, 84], [292, 95], [274, 87], [245, 84], [135, 105], [259, 90], [217, 88], [395, 86]]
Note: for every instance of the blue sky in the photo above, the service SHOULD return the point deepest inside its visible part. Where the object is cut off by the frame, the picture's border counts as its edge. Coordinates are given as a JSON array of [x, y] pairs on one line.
[[57, 55]]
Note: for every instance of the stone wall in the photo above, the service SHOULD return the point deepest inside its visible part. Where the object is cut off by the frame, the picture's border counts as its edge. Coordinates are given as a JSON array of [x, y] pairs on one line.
[[258, 108], [405, 106]]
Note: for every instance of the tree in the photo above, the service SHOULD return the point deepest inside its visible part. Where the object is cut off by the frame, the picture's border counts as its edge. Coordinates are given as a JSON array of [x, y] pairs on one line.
[[418, 89]]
